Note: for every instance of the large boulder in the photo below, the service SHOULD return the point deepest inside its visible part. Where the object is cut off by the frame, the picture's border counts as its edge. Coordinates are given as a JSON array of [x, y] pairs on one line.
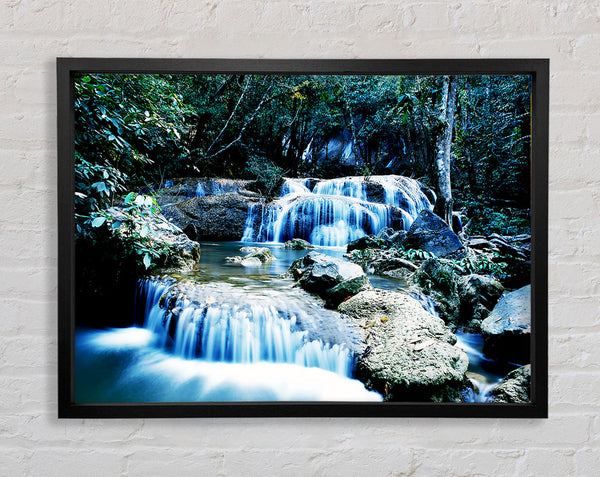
[[429, 232], [385, 238], [507, 330], [333, 279], [409, 355], [478, 295], [298, 244], [441, 282], [362, 243], [461, 301], [216, 217], [253, 256], [515, 387]]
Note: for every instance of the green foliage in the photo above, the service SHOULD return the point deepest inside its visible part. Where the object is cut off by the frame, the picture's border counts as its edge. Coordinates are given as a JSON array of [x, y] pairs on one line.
[[441, 278], [96, 187], [486, 219], [492, 139], [414, 254], [268, 178], [130, 121], [133, 224], [149, 127], [479, 263]]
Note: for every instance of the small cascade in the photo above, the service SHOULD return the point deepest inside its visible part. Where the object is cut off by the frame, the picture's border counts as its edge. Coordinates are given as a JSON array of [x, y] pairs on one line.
[[223, 325], [482, 378], [295, 186], [346, 187], [200, 191], [213, 187], [322, 220], [253, 211], [426, 302], [483, 372], [406, 194], [336, 211]]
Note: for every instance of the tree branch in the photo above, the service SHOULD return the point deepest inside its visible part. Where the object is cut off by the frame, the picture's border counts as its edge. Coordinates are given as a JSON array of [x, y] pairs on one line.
[[246, 124], [231, 115]]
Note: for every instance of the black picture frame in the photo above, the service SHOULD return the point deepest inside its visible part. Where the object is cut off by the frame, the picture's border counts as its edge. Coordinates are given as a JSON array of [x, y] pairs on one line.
[[539, 71]]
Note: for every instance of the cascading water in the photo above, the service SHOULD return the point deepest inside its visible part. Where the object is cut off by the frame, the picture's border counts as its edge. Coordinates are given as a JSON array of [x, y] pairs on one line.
[[336, 211], [483, 378], [200, 191], [223, 325], [214, 187]]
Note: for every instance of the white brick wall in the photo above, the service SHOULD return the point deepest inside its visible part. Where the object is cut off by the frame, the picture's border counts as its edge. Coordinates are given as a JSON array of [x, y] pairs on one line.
[[34, 32]]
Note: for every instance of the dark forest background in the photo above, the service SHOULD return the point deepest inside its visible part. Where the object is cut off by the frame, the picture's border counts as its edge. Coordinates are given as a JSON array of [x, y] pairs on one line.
[[137, 131]]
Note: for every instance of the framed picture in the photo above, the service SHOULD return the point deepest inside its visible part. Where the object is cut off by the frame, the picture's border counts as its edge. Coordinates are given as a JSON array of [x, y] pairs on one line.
[[302, 237]]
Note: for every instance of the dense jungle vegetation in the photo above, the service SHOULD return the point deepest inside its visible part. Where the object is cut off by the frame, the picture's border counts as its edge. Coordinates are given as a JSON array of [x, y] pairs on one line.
[[470, 132]]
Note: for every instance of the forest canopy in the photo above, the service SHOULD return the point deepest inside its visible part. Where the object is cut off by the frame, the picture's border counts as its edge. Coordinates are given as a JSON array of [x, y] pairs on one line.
[[138, 130]]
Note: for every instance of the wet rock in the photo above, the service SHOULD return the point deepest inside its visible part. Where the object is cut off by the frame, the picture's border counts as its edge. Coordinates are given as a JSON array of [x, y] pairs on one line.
[[392, 263], [218, 217], [333, 279], [251, 262], [362, 243], [411, 354], [480, 244], [398, 273], [478, 295], [440, 282], [297, 244], [385, 238], [515, 387], [507, 330], [429, 232], [344, 290], [263, 254], [391, 236], [462, 301], [254, 256]]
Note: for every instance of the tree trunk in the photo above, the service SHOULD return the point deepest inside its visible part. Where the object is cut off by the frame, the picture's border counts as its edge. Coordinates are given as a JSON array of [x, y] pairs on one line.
[[204, 117], [444, 202]]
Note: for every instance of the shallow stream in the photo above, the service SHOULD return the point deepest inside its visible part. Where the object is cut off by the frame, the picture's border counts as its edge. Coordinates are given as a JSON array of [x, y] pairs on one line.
[[247, 335]]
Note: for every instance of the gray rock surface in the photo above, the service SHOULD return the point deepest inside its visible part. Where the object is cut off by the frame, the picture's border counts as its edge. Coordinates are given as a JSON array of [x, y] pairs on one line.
[[254, 256], [429, 232], [298, 244], [264, 254], [478, 295], [409, 354], [462, 301], [362, 243], [507, 330], [441, 283], [331, 278], [515, 387], [218, 217]]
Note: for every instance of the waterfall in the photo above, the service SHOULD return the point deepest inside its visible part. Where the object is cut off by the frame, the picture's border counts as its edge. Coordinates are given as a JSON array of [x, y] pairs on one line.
[[295, 186], [346, 187], [406, 194], [222, 324], [482, 379], [337, 211]]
